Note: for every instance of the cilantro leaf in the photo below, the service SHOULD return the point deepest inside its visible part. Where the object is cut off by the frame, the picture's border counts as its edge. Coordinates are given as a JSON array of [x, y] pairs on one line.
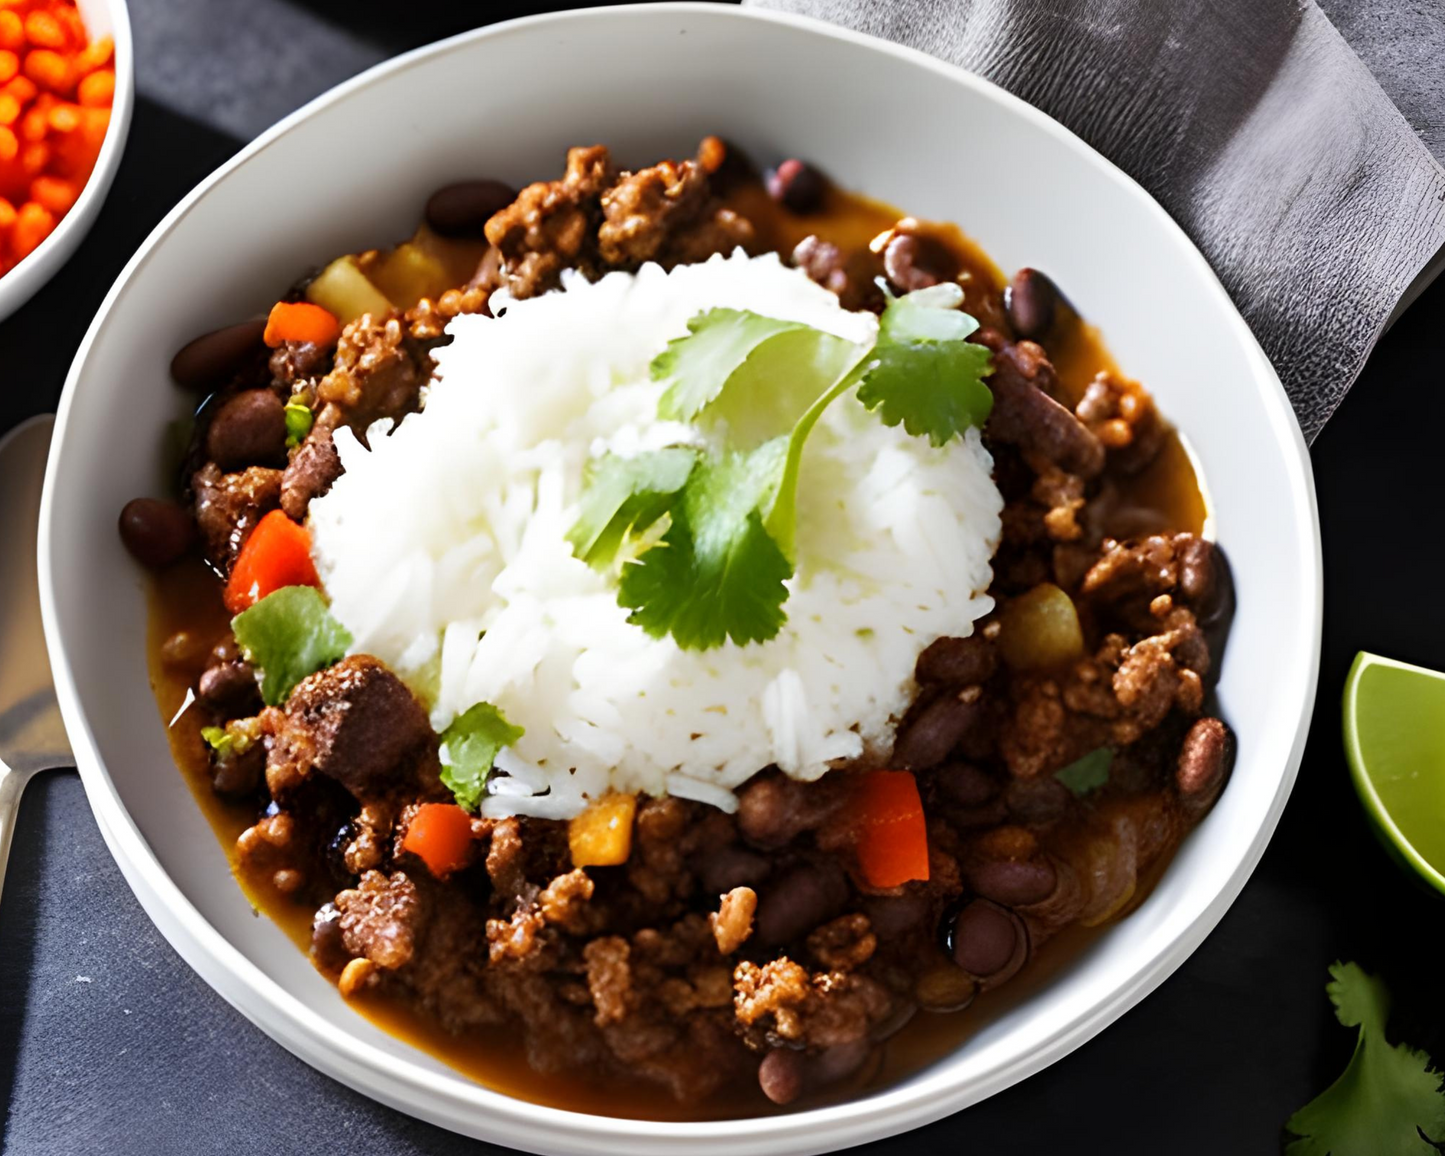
[[470, 747], [717, 574], [924, 375], [695, 368], [622, 496], [1088, 773], [1387, 1095], [289, 634]]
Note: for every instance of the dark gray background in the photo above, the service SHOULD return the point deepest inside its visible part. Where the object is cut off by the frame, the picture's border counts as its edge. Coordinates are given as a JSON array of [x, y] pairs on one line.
[[109, 1044]]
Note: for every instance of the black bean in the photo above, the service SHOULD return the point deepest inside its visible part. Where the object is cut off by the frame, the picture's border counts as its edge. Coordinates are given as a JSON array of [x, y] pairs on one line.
[[157, 533], [797, 186], [961, 661], [806, 896], [988, 941], [927, 739], [248, 430], [893, 915], [916, 262], [780, 1075], [1204, 763], [211, 359], [774, 810], [1014, 882], [229, 687], [1031, 301], [462, 209]]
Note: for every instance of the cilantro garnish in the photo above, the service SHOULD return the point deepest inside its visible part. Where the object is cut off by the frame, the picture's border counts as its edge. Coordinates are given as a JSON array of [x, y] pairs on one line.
[[289, 634], [622, 496], [1088, 773], [469, 748], [695, 368], [718, 572], [1388, 1095]]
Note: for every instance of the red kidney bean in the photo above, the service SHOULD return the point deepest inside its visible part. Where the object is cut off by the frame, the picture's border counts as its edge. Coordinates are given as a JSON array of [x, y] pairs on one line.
[[989, 942], [248, 430], [797, 186], [1014, 882], [462, 209], [806, 896], [1056, 910], [774, 810], [918, 262], [960, 661], [236, 776], [929, 737], [157, 533], [893, 915], [229, 687], [211, 359], [1031, 301], [1204, 763], [965, 784], [1039, 800], [733, 867], [780, 1075]]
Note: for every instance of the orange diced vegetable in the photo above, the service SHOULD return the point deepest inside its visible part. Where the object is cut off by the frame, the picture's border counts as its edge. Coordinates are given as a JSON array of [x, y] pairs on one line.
[[601, 836], [300, 321], [7, 213], [277, 554], [440, 835], [33, 223], [889, 826], [97, 90], [55, 95]]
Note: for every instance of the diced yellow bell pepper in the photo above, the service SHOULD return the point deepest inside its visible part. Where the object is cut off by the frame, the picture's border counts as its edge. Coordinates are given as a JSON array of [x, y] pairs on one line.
[[602, 835], [344, 291]]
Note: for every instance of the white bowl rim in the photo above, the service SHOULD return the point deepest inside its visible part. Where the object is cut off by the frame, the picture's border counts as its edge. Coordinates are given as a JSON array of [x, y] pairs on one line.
[[29, 275], [532, 1127]]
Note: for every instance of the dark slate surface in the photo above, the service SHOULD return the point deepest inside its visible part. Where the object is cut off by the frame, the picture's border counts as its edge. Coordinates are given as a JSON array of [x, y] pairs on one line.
[[110, 1045]]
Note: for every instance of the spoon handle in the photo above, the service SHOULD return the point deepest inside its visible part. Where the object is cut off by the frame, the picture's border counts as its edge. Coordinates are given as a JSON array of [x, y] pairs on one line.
[[11, 784]]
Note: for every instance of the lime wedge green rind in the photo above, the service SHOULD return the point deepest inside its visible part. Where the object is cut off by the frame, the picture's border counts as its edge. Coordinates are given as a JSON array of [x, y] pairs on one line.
[[1394, 732]]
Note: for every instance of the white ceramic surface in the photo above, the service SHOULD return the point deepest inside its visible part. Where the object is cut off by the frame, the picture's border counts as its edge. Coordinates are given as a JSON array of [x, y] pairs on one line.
[[102, 17], [353, 168]]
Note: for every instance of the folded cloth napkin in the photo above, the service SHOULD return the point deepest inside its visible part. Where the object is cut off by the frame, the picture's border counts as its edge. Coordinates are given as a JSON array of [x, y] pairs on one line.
[[1254, 124]]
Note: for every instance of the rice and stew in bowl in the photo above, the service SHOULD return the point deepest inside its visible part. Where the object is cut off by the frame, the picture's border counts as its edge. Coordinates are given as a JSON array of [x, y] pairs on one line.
[[683, 630]]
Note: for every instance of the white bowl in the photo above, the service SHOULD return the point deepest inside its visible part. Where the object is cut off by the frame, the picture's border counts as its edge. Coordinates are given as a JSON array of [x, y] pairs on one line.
[[650, 80], [102, 17]]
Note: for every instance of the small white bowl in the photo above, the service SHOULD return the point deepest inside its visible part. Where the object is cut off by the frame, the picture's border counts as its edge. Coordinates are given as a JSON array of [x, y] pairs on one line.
[[650, 81], [102, 18]]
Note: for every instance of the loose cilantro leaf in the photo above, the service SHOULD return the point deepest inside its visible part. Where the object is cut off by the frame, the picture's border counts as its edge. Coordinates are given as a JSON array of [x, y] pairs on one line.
[[622, 496], [1089, 773], [696, 367], [1387, 1095], [716, 574], [470, 747], [299, 420], [289, 634], [923, 373]]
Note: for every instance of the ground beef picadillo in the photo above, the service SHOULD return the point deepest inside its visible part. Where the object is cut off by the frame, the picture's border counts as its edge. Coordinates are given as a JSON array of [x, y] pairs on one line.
[[743, 947]]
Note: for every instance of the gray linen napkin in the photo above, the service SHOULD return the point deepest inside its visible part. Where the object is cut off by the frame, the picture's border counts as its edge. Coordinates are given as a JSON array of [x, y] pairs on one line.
[[1254, 124]]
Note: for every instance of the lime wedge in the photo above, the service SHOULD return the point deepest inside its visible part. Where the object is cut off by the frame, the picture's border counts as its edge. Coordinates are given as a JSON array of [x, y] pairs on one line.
[[1394, 718]]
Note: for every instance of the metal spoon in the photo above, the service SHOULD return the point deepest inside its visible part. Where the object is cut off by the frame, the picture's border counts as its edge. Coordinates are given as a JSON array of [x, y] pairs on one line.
[[32, 737]]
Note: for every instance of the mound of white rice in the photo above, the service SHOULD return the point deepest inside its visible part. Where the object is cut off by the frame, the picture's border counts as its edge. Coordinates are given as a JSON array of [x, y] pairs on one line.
[[443, 550]]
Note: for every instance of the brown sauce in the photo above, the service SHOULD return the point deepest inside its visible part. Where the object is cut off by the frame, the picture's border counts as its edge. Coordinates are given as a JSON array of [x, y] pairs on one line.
[[187, 598]]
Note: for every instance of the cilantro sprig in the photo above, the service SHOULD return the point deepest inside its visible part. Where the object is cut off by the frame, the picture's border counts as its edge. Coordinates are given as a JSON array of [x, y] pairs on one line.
[[1388, 1100], [717, 572], [469, 748]]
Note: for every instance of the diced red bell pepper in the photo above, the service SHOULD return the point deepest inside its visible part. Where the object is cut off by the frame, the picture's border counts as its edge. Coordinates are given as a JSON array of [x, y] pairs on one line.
[[277, 554], [891, 832]]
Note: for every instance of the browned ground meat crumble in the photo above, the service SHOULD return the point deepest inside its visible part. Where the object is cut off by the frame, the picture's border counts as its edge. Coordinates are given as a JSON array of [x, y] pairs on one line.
[[744, 946]]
